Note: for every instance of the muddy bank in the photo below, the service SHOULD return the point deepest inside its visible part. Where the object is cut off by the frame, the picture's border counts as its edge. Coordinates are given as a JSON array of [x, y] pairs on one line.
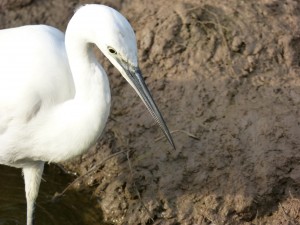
[[226, 77]]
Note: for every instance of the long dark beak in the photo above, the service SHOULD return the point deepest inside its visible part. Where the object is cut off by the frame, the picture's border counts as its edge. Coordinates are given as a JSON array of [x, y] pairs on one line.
[[138, 83]]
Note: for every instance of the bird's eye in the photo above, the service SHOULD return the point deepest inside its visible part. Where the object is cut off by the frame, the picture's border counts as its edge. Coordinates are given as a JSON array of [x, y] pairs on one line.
[[112, 51]]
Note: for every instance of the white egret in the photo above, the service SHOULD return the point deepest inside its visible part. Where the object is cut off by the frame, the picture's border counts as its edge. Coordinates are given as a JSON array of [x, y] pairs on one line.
[[55, 96]]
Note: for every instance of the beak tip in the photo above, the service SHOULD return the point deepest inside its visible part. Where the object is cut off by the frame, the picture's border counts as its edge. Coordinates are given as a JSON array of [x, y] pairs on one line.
[[170, 139], [141, 88], [173, 145]]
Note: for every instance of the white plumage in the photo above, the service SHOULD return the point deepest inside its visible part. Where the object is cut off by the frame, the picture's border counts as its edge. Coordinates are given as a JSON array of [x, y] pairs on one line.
[[55, 96]]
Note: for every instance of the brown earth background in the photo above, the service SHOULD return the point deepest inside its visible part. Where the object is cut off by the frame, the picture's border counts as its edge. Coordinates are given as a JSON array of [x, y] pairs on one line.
[[226, 76]]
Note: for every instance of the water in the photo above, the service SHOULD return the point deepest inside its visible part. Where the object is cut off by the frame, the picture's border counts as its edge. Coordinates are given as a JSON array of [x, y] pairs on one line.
[[74, 208]]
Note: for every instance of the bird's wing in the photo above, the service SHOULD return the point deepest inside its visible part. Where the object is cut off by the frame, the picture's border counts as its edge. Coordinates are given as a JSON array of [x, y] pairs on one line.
[[34, 72], [34, 76]]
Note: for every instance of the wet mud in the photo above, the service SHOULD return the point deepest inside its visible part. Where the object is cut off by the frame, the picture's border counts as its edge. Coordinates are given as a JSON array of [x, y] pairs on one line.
[[73, 208]]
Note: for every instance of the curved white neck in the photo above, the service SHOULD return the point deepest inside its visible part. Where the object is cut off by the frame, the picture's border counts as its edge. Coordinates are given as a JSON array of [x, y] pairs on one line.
[[79, 121], [85, 69]]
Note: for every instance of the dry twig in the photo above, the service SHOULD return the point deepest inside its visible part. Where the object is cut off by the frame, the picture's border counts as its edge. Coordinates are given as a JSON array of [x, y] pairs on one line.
[[220, 30], [180, 131], [95, 167], [137, 191], [287, 217]]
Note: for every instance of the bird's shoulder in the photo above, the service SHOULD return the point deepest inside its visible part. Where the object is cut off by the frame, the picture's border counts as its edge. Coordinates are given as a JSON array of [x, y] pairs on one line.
[[34, 70]]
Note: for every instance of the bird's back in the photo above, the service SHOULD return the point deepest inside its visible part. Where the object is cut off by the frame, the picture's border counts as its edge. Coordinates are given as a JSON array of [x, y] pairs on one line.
[[34, 74]]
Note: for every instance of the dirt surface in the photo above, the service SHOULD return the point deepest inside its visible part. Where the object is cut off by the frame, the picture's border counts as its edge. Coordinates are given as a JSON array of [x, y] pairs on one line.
[[226, 76]]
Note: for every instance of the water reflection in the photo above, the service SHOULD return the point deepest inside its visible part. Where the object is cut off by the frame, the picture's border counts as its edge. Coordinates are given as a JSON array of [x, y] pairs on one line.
[[76, 208]]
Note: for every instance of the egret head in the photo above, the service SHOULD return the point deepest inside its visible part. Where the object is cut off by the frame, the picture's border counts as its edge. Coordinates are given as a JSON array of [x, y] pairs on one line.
[[114, 36]]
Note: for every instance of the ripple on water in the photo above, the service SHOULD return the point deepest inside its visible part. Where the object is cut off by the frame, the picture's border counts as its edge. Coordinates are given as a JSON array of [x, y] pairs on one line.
[[75, 208]]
